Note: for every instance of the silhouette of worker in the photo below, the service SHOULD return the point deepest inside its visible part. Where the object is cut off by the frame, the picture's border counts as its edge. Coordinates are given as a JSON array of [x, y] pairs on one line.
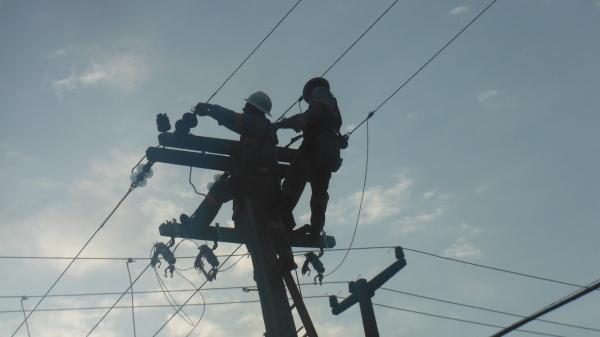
[[317, 157], [251, 174]]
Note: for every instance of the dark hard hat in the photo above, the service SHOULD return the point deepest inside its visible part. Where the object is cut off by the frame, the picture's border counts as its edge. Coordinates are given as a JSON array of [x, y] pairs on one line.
[[313, 83]]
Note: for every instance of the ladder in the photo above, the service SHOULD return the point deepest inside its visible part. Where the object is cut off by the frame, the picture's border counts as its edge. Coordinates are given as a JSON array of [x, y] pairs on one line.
[[298, 304]]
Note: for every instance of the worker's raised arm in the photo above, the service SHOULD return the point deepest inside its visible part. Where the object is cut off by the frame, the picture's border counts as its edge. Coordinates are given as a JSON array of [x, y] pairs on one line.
[[242, 124]]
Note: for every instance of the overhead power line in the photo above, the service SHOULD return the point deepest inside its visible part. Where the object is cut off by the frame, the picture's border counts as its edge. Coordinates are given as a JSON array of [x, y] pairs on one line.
[[433, 57], [345, 52], [194, 293], [423, 313], [254, 50], [570, 298], [486, 309], [360, 206], [155, 306], [412, 294], [418, 251], [131, 188]]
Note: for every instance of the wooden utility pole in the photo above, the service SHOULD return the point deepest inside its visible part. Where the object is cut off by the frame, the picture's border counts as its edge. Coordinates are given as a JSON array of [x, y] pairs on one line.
[[251, 229]]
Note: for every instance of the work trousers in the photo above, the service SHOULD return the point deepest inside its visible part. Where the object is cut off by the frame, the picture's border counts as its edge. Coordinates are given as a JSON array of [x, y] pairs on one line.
[[302, 170], [264, 192]]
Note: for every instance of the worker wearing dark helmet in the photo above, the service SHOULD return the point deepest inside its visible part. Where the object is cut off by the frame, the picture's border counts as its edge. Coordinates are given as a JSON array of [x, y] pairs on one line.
[[317, 157]]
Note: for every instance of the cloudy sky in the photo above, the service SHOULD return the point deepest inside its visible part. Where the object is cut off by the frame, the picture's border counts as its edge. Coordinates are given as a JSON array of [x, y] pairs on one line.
[[490, 155]]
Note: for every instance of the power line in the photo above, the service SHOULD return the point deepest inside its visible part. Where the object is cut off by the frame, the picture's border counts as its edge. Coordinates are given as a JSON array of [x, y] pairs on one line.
[[131, 188], [362, 196], [565, 300], [460, 319], [117, 301], [486, 309], [345, 52], [194, 293], [203, 301], [254, 50], [435, 55], [142, 292], [299, 252], [148, 306]]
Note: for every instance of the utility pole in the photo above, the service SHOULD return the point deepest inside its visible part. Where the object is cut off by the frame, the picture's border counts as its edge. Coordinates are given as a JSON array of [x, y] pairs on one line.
[[362, 291], [23, 298], [130, 260], [251, 229]]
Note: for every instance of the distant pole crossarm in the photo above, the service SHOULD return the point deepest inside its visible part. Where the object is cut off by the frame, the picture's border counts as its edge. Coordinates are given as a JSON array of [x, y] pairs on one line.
[[362, 291], [551, 307]]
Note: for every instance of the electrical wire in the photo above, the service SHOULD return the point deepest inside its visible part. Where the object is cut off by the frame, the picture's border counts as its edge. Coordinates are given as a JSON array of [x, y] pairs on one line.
[[171, 300], [301, 252], [192, 184], [435, 55], [148, 306], [344, 53], [487, 309], [254, 50], [194, 293], [551, 307], [236, 262], [159, 291], [131, 188], [117, 301], [203, 301], [423, 313], [237, 69], [362, 196]]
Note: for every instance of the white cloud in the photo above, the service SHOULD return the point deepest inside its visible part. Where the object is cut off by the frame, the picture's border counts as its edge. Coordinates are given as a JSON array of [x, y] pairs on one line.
[[57, 53], [380, 203], [494, 98], [462, 248], [487, 95], [412, 223], [123, 72], [481, 189], [459, 10]]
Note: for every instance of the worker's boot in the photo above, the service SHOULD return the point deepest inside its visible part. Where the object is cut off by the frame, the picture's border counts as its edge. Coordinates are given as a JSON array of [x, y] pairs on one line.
[[202, 217]]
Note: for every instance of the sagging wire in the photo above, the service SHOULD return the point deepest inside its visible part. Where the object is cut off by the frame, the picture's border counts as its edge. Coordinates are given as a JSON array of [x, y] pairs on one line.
[[171, 300], [117, 301], [192, 184], [360, 206], [194, 293], [203, 303], [236, 262]]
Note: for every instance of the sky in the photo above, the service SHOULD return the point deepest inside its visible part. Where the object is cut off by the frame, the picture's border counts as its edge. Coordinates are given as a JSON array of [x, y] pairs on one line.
[[489, 155]]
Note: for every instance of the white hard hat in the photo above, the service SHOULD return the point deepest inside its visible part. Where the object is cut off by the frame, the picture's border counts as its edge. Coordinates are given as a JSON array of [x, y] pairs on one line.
[[261, 101]]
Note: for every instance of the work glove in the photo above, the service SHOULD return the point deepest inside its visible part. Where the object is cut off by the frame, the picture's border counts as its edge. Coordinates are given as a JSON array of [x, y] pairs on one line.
[[202, 109]]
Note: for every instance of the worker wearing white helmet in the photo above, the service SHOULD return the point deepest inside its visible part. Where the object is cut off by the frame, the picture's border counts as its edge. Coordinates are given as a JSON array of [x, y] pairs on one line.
[[251, 173]]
